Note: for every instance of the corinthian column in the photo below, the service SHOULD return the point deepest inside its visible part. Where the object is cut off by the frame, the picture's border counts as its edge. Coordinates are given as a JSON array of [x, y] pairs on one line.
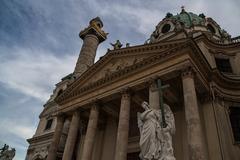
[[72, 136], [91, 132], [52, 153], [196, 143], [123, 128]]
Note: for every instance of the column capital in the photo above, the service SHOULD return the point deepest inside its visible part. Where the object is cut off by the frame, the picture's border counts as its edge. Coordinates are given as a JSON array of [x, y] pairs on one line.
[[151, 81], [187, 71], [95, 103], [94, 28], [126, 92], [76, 113], [61, 117]]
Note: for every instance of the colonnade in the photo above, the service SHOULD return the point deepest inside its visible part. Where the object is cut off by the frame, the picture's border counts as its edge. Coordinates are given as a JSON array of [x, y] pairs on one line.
[[196, 144]]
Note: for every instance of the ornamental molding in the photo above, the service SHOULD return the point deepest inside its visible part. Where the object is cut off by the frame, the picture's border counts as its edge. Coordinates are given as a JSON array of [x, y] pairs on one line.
[[199, 62], [217, 46], [76, 87], [41, 138]]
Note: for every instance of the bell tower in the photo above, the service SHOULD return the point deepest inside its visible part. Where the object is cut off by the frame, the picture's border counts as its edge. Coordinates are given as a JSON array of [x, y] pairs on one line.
[[92, 36]]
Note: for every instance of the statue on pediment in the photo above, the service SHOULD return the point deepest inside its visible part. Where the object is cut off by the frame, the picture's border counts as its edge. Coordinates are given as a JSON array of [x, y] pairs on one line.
[[6, 153], [116, 45], [156, 140]]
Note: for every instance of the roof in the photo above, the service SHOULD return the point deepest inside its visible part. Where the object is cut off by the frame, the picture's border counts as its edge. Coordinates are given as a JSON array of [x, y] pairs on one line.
[[188, 19]]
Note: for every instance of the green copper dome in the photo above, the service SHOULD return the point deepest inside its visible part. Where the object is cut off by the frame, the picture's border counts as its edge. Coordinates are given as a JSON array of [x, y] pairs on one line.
[[189, 19]]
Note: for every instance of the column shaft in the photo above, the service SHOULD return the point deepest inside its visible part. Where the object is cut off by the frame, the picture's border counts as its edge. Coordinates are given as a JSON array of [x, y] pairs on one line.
[[123, 128], [87, 54], [196, 143], [52, 153], [91, 132], [72, 137]]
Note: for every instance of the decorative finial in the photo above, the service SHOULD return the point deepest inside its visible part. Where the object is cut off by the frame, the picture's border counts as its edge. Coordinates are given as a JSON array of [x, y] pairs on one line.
[[183, 8]]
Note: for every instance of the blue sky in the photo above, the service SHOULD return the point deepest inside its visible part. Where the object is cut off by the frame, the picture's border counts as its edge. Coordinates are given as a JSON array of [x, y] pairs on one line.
[[39, 44]]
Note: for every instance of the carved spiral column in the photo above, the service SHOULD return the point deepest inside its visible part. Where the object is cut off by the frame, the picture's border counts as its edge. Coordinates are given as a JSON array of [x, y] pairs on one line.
[[91, 132], [123, 127], [195, 137], [72, 136], [52, 153]]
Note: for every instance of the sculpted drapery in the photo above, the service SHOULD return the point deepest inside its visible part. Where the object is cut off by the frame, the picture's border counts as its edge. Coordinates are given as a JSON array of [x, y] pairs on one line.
[[155, 141]]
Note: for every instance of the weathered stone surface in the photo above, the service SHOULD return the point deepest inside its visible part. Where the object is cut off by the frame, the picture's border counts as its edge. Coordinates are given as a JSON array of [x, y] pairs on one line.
[[196, 143], [56, 138], [123, 128], [91, 132], [72, 137]]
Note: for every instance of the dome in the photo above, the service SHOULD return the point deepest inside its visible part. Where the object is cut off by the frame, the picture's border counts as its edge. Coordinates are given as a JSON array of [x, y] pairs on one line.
[[189, 23], [189, 19]]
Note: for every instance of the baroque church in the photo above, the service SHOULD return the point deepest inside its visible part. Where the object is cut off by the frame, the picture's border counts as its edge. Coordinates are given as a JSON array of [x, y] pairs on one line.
[[92, 113]]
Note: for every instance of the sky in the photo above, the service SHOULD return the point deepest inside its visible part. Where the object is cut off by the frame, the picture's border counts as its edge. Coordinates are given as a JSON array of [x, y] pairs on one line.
[[39, 45]]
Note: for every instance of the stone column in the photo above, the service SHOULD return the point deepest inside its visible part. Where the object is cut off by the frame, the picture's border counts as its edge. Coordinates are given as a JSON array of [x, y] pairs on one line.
[[72, 137], [92, 36], [153, 95], [52, 153], [87, 53], [196, 145], [123, 128], [91, 132]]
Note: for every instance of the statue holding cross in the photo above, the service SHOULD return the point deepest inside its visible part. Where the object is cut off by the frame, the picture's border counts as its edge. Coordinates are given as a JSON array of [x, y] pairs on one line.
[[156, 129]]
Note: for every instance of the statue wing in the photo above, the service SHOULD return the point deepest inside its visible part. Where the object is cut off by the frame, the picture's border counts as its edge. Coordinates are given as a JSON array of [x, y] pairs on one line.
[[140, 122], [170, 119]]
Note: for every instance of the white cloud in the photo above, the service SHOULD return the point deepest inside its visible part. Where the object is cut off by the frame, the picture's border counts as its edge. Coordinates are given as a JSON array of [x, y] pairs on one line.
[[9, 126], [34, 72]]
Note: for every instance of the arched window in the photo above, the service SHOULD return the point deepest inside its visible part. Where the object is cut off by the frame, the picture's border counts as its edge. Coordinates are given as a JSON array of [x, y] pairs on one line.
[[166, 28], [59, 92], [223, 65], [211, 28]]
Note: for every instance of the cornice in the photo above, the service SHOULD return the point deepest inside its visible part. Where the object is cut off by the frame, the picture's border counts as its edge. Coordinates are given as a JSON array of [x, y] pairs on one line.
[[212, 74], [215, 45], [122, 73], [142, 49], [202, 65], [40, 138]]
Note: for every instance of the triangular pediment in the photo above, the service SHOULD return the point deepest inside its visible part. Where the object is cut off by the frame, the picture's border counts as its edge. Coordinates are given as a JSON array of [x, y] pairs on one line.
[[116, 61], [115, 64]]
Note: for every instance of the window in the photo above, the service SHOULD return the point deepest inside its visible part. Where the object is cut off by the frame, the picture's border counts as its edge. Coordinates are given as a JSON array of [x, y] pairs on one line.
[[49, 124], [211, 28], [166, 28], [59, 92], [223, 65], [234, 116]]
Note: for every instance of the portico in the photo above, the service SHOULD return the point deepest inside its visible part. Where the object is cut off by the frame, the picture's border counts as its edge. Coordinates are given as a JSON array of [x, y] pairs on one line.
[[111, 130]]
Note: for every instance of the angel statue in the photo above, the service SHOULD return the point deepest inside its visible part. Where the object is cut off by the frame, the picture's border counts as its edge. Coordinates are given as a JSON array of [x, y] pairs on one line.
[[155, 140]]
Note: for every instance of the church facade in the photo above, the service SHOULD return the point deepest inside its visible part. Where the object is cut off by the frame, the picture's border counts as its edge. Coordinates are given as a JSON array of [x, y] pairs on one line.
[[92, 113]]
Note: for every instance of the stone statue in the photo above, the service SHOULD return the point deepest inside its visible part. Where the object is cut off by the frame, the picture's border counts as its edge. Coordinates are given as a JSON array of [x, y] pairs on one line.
[[156, 141], [117, 45], [6, 153]]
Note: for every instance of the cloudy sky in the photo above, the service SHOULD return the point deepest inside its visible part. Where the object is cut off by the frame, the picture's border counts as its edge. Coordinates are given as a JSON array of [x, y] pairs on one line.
[[39, 44]]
